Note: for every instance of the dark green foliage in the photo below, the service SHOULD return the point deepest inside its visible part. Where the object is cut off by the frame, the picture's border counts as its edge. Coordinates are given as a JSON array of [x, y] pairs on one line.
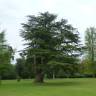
[[7, 70], [90, 52], [18, 78], [23, 70], [49, 40]]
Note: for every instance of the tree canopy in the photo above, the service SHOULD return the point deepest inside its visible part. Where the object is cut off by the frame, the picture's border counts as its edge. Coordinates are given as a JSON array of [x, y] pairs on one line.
[[49, 40], [6, 55], [90, 44]]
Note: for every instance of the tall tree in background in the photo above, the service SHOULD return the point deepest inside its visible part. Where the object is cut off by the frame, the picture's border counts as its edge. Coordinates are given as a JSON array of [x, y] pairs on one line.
[[90, 43], [49, 42], [6, 53], [22, 69]]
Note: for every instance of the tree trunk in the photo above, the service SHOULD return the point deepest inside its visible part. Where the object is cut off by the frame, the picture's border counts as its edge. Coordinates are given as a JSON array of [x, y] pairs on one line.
[[53, 75], [39, 77]]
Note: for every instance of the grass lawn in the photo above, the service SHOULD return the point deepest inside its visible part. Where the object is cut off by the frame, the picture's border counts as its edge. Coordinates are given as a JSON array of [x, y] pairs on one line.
[[58, 87]]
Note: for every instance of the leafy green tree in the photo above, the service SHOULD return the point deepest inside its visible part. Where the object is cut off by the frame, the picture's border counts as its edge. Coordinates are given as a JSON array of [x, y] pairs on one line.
[[90, 43], [6, 53], [19, 67], [23, 67], [49, 40], [86, 67], [22, 70]]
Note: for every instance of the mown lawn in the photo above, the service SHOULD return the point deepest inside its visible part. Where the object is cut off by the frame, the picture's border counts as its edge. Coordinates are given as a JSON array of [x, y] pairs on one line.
[[58, 87]]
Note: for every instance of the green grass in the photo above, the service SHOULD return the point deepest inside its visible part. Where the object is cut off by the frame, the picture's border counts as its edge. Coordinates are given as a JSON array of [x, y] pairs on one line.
[[58, 87]]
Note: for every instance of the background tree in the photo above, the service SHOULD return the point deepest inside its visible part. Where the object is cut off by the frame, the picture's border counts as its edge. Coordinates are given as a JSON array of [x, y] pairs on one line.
[[23, 70], [6, 53], [49, 40], [90, 43]]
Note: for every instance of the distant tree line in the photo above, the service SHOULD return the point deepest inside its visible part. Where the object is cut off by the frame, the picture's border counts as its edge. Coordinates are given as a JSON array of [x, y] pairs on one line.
[[53, 50]]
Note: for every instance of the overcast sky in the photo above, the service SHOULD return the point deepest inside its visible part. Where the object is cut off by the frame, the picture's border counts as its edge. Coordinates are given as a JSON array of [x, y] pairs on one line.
[[80, 13]]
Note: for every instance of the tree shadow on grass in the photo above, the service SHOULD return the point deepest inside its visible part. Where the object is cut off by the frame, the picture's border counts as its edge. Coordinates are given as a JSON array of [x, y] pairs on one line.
[[51, 83], [64, 83]]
